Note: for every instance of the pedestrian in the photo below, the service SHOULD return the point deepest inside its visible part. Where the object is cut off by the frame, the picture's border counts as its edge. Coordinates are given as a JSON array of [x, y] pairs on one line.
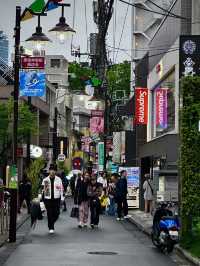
[[111, 194], [65, 183], [53, 195], [25, 193], [81, 199], [121, 196], [94, 192], [72, 184], [103, 180], [148, 193]]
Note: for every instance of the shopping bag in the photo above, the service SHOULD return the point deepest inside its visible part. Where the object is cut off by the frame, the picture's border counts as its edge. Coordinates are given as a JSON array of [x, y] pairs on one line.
[[74, 212]]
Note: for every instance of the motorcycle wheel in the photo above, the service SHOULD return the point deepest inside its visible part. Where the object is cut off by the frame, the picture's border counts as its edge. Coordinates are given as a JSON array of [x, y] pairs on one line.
[[170, 247]]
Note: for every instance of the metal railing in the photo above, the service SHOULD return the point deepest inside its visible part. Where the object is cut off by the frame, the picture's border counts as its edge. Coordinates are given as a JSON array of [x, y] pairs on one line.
[[4, 211]]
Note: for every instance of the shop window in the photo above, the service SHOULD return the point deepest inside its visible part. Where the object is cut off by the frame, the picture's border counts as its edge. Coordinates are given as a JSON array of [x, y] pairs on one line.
[[55, 63], [164, 106]]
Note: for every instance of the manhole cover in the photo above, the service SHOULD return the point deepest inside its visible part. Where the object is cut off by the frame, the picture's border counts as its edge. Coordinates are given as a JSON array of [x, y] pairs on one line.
[[102, 253]]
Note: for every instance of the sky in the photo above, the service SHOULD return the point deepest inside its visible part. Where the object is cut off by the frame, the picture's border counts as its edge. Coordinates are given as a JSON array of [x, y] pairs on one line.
[[7, 22]]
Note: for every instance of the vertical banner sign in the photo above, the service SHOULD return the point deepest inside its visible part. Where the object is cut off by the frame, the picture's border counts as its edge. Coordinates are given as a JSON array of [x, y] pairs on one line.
[[101, 155], [97, 121], [161, 108], [141, 112], [13, 182]]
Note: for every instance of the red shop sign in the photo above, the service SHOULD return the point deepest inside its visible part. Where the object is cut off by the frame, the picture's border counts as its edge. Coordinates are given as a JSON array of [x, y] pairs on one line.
[[141, 111], [32, 62]]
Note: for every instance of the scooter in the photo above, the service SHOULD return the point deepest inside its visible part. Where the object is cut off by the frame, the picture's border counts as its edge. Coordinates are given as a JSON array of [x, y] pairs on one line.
[[165, 233]]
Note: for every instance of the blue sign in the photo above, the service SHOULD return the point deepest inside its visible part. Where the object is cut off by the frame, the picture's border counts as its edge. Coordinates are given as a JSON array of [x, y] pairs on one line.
[[32, 83], [133, 175]]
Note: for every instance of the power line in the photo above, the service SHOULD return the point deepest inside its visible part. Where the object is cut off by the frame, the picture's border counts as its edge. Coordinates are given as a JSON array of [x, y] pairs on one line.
[[152, 11], [114, 28], [122, 31], [165, 10]]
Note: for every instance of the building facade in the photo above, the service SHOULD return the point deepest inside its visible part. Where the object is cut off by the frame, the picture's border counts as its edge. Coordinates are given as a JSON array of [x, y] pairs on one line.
[[159, 155], [4, 47]]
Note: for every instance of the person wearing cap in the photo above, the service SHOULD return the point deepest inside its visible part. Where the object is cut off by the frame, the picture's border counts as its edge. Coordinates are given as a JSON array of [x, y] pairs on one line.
[[53, 195]]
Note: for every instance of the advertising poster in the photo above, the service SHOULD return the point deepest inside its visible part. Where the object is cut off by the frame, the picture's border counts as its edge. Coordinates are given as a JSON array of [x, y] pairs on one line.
[[97, 125], [133, 175], [141, 111], [161, 108], [32, 83]]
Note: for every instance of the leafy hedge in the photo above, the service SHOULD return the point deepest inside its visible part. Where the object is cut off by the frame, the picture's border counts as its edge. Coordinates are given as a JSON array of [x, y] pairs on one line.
[[190, 152]]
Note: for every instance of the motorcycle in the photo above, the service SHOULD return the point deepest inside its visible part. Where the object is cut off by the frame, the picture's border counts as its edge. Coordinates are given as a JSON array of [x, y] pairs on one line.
[[165, 233]]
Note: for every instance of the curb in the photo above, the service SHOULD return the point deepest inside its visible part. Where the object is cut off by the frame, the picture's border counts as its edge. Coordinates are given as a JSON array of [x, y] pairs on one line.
[[139, 226], [19, 224], [178, 249], [187, 255]]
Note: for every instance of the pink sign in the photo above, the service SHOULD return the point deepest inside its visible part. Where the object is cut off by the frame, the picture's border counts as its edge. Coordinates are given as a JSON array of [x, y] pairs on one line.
[[97, 125], [161, 107]]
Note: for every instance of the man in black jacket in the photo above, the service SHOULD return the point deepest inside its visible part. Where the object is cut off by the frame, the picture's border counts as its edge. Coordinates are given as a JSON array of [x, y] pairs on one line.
[[121, 195]]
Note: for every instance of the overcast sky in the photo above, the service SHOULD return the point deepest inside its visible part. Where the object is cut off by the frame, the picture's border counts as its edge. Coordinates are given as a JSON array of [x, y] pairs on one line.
[[7, 22]]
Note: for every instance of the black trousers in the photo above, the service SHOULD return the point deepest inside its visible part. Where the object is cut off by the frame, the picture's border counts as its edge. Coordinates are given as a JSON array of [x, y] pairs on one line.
[[122, 206], [53, 211], [95, 209], [28, 203]]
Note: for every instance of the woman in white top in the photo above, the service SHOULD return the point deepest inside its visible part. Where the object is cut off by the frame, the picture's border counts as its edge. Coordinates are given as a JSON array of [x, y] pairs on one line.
[[148, 193]]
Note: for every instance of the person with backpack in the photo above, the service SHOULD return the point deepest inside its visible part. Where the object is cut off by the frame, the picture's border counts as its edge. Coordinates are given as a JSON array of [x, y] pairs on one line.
[[148, 193]]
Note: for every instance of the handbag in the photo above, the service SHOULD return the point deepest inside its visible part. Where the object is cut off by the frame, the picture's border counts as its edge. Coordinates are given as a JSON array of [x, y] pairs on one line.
[[74, 212]]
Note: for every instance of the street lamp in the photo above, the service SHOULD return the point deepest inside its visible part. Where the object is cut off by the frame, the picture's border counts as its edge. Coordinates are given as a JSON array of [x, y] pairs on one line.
[[62, 29], [38, 37]]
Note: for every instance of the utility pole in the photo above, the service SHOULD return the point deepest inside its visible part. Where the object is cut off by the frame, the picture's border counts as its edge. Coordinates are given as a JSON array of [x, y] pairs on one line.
[[104, 15], [28, 144]]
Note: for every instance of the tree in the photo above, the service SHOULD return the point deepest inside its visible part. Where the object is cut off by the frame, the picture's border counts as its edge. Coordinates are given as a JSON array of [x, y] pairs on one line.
[[118, 77], [27, 123], [189, 157], [78, 76]]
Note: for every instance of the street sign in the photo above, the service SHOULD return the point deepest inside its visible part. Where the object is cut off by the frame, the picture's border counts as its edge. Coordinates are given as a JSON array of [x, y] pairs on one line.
[[36, 62], [101, 156], [61, 157], [32, 83]]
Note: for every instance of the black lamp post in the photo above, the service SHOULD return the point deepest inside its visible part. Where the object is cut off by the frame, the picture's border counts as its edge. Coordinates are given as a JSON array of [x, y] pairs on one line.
[[38, 37]]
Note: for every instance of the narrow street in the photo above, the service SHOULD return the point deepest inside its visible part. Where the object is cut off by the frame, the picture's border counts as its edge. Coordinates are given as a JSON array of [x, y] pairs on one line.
[[125, 244]]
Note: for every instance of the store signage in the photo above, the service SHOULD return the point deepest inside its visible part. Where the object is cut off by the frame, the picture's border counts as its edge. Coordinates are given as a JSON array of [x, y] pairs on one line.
[[141, 112], [32, 83], [101, 156], [133, 175], [36, 62], [97, 113], [61, 157], [161, 107], [97, 124], [189, 60]]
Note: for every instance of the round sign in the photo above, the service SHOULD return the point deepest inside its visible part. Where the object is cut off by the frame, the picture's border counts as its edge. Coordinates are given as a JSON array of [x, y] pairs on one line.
[[61, 157], [35, 151]]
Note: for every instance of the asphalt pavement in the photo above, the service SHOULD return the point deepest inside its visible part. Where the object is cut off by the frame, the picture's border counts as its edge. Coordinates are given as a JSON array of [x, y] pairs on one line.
[[114, 243]]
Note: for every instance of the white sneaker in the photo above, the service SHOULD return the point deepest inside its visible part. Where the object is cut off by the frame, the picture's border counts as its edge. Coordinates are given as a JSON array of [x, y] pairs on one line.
[[51, 231], [126, 217], [118, 219], [80, 225]]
